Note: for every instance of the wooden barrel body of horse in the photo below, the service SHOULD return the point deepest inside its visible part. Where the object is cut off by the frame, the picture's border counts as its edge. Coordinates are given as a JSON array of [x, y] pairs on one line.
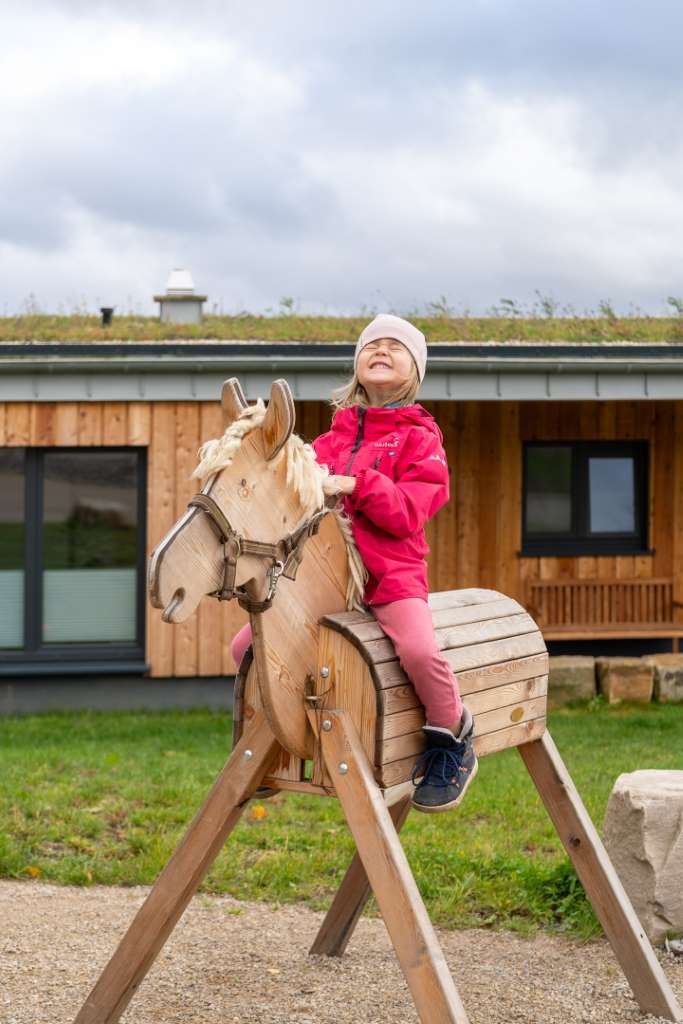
[[493, 646]]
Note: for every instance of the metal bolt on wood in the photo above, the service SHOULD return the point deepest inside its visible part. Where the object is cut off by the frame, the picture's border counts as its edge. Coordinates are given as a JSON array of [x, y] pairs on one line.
[[327, 725], [343, 767], [324, 672], [248, 755]]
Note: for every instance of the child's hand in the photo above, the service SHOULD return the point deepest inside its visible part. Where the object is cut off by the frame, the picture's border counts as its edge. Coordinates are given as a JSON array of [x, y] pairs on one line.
[[339, 484]]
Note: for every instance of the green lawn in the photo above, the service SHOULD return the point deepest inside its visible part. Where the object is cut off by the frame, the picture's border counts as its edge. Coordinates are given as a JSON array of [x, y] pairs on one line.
[[94, 797], [512, 322]]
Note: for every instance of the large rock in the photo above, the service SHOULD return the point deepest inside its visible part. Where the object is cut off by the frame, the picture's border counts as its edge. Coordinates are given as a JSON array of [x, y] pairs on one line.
[[668, 677], [643, 834], [625, 679], [571, 678]]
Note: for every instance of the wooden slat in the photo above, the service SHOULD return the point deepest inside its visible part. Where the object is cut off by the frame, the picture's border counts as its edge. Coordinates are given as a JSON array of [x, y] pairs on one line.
[[462, 598], [663, 459], [467, 494], [90, 418], [443, 562], [43, 424], [477, 632], [397, 699], [160, 518], [503, 696], [17, 424], [185, 635], [403, 722], [509, 520], [489, 473], [114, 424], [677, 498], [214, 626], [139, 419], [66, 424], [495, 651]]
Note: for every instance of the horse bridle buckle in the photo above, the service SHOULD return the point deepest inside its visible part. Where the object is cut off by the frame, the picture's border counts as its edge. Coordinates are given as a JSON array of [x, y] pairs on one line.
[[274, 574]]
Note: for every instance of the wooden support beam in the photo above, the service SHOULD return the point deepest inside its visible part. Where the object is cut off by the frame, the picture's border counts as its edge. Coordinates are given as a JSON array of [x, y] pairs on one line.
[[598, 877], [180, 879], [414, 939], [347, 906]]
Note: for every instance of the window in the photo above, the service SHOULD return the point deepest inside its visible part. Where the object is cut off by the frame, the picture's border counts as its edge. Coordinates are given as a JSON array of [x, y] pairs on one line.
[[72, 529], [584, 497]]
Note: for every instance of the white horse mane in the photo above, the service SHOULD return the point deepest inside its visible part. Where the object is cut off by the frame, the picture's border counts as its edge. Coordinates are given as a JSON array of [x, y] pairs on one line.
[[304, 474]]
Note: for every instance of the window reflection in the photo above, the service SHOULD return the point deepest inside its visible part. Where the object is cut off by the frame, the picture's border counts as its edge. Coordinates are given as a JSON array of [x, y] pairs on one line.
[[612, 493], [11, 547], [89, 546], [549, 482]]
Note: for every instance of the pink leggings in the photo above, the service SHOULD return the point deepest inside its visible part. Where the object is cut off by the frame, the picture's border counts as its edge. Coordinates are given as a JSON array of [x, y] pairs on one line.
[[409, 624]]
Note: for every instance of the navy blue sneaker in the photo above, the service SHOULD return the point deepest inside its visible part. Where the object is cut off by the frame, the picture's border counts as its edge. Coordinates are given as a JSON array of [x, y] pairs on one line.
[[447, 766]]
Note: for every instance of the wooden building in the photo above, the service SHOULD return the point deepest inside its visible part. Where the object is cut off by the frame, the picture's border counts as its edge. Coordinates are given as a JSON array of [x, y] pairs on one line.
[[567, 489]]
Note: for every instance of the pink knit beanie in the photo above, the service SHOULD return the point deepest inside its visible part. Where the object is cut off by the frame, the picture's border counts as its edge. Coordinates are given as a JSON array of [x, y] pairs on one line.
[[388, 326]]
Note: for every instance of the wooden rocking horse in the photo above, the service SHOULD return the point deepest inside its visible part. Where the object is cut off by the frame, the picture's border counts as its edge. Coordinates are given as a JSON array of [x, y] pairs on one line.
[[324, 689]]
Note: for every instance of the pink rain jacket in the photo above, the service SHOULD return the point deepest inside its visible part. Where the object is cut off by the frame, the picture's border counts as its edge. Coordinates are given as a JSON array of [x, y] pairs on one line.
[[399, 463]]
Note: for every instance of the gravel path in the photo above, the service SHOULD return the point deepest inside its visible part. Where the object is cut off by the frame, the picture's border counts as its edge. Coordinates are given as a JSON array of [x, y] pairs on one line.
[[230, 961]]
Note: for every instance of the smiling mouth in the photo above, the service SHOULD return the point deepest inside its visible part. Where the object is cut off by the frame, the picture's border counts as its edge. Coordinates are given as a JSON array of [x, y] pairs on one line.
[[375, 366]]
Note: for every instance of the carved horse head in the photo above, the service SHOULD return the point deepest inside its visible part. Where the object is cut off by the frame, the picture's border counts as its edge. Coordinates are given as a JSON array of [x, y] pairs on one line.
[[259, 531]]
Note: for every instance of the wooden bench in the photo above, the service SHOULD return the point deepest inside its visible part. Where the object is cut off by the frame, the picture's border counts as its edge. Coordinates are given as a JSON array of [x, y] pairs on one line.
[[605, 609]]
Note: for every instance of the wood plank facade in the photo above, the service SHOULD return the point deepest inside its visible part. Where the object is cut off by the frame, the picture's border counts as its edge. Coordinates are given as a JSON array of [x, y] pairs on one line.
[[475, 540]]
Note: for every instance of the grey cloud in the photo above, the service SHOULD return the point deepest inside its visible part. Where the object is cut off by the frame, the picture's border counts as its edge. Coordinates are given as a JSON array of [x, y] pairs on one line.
[[262, 206]]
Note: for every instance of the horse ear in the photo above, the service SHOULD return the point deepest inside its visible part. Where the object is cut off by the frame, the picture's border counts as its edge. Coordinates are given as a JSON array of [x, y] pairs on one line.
[[279, 419], [232, 401]]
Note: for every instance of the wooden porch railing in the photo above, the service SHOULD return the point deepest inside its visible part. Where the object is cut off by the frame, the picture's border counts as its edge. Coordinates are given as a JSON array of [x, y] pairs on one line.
[[581, 609]]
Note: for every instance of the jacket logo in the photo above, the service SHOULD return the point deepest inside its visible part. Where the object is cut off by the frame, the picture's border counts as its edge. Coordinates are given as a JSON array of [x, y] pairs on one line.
[[437, 458]]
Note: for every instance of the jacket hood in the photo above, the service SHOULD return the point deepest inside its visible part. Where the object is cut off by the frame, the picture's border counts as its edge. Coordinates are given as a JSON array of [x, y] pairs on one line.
[[382, 417]]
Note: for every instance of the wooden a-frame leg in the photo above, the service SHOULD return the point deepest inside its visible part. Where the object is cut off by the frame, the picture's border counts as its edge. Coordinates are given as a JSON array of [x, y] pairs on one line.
[[249, 762], [417, 947], [598, 877], [347, 906]]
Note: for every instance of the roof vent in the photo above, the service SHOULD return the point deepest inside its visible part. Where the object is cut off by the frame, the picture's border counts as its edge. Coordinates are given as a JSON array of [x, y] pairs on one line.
[[179, 304]]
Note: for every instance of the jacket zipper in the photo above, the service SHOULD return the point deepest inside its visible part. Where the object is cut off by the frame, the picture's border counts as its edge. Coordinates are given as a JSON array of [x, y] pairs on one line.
[[358, 442]]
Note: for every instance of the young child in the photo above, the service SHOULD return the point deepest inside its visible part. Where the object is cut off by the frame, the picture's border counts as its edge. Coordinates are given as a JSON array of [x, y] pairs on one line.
[[386, 459]]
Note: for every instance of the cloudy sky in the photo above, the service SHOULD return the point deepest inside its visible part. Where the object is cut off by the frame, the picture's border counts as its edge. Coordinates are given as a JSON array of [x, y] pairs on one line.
[[351, 154]]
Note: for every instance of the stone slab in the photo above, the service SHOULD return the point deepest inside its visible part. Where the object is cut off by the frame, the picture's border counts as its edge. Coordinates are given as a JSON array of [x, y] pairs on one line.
[[668, 682], [629, 679], [643, 834], [571, 678]]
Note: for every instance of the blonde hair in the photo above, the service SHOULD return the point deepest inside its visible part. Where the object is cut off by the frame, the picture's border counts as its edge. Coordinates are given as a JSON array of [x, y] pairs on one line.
[[353, 392]]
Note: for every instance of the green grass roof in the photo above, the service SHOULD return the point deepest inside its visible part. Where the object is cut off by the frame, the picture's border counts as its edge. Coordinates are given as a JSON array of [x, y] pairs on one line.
[[344, 329]]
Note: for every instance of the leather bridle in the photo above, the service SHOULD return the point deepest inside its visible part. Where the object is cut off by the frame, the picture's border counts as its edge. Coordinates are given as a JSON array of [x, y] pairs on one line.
[[285, 555]]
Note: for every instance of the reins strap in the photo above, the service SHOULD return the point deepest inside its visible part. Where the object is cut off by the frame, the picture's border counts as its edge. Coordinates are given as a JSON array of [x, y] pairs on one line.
[[285, 555], [206, 503]]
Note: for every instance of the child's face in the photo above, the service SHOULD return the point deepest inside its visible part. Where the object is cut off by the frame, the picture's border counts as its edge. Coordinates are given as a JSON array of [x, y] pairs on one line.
[[383, 366]]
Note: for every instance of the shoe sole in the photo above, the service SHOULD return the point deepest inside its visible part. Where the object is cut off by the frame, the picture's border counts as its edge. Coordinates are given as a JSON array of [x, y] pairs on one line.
[[454, 803]]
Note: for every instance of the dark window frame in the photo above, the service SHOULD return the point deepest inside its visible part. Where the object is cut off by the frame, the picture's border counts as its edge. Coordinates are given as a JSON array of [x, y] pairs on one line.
[[579, 540], [37, 656]]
